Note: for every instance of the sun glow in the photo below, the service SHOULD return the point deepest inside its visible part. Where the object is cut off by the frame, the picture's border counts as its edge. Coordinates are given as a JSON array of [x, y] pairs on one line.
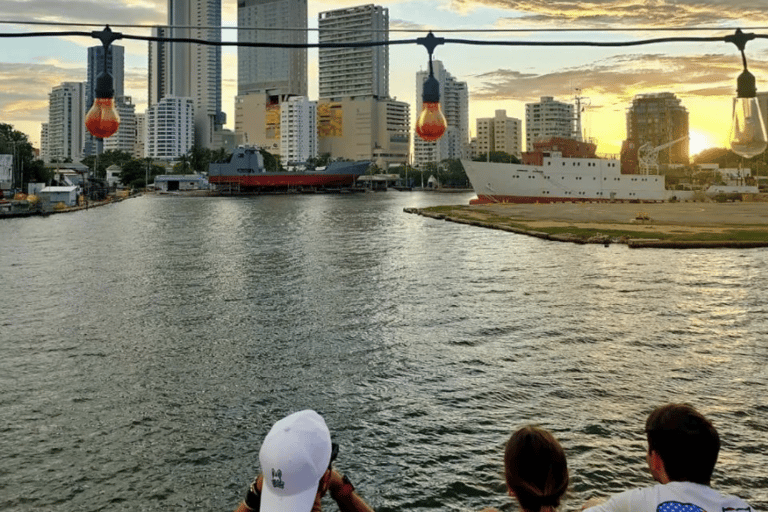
[[699, 141]]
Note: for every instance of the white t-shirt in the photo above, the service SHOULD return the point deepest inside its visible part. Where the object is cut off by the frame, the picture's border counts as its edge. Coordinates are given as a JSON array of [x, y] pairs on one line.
[[673, 497]]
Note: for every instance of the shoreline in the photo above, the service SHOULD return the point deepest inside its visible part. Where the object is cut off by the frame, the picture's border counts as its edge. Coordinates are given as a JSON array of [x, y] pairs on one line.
[[34, 211], [637, 225]]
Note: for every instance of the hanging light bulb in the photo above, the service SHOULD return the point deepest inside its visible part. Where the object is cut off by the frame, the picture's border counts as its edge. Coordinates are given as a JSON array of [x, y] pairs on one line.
[[102, 119], [431, 124], [747, 138]]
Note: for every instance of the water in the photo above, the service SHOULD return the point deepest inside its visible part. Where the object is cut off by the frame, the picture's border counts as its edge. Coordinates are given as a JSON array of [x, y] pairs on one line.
[[148, 346]]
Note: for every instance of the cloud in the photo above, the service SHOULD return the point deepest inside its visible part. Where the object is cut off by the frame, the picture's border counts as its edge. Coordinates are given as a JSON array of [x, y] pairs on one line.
[[130, 12], [621, 13], [621, 77]]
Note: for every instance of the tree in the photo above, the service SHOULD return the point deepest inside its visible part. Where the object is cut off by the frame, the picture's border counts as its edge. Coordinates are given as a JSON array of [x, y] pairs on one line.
[[134, 173], [271, 162], [16, 143]]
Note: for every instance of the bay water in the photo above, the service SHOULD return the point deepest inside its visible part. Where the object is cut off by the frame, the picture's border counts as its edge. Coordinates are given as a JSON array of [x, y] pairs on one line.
[[146, 348]]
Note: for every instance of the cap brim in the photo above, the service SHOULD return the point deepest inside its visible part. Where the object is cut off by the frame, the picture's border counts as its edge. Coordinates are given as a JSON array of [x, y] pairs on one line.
[[299, 502]]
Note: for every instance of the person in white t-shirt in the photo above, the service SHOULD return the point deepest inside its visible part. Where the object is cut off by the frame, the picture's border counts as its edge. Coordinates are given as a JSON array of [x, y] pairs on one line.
[[682, 451]]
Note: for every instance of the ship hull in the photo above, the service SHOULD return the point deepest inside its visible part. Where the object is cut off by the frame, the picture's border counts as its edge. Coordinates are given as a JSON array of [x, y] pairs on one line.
[[245, 172], [561, 179], [286, 180]]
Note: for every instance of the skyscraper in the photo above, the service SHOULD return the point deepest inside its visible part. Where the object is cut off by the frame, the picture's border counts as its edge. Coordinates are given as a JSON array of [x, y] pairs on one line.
[[657, 119], [454, 101], [194, 70], [549, 118], [273, 71], [298, 131], [356, 117], [354, 72], [66, 122], [115, 67]]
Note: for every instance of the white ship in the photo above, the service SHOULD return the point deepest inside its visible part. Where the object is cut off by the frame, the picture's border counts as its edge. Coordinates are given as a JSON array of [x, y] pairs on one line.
[[561, 170]]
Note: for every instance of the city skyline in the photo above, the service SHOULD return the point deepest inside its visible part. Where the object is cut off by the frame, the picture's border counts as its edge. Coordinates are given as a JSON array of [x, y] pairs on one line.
[[702, 75]]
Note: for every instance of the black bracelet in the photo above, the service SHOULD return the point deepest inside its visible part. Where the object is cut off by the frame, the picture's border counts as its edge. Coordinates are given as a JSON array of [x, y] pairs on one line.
[[253, 498]]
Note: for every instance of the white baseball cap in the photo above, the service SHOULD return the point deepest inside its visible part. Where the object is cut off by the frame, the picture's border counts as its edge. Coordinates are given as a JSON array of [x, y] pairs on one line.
[[294, 456]]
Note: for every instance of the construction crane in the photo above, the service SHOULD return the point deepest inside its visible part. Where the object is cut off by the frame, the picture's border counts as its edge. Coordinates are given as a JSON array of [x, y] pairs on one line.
[[648, 156]]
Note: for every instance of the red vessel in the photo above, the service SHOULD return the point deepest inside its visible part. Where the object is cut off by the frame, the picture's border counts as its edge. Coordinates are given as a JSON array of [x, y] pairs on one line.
[[245, 171]]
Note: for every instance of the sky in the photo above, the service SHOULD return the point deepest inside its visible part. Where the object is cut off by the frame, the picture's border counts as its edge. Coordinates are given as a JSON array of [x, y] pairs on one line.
[[703, 74]]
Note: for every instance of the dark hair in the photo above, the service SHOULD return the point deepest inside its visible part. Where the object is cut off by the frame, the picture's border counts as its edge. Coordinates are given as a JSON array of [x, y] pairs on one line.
[[535, 468], [685, 440]]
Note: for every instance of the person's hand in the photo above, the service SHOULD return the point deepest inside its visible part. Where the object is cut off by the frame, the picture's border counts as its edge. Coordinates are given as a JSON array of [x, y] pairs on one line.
[[335, 483]]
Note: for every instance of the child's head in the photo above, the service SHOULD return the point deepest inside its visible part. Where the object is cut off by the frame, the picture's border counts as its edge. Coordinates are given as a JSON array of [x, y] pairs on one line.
[[535, 469]]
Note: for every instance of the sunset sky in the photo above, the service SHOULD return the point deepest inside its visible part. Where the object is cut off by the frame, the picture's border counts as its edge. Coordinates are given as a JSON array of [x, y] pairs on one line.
[[702, 75]]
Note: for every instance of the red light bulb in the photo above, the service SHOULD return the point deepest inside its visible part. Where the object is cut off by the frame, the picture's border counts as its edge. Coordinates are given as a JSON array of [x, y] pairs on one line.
[[102, 119], [431, 124]]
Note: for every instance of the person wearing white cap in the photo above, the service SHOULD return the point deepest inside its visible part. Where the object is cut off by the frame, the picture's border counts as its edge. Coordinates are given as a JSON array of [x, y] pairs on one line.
[[296, 459]]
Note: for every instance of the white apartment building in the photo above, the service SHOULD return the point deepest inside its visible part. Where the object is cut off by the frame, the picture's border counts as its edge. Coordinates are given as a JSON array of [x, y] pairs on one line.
[[354, 72], [272, 71], [499, 133], [170, 128], [66, 122], [454, 102], [549, 118], [125, 137], [298, 131]]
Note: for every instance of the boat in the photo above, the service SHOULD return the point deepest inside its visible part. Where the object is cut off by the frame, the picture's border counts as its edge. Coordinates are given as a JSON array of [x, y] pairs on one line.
[[245, 171], [561, 170]]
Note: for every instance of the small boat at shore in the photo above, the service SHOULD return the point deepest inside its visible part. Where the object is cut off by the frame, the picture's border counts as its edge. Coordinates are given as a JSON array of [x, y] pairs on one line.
[[562, 170], [245, 170]]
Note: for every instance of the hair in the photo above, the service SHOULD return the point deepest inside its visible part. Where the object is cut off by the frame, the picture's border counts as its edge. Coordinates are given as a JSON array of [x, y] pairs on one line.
[[535, 468], [685, 440]]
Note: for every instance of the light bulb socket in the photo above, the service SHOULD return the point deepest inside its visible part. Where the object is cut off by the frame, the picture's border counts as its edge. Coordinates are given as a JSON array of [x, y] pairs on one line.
[[104, 87], [431, 91], [745, 85]]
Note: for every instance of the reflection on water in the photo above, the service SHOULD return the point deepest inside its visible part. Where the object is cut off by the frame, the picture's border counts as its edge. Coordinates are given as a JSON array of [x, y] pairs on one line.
[[148, 346]]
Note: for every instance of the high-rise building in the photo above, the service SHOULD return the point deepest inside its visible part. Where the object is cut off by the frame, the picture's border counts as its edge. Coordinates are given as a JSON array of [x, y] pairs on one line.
[[357, 119], [549, 118], [66, 122], [364, 129], [193, 70], [499, 133], [44, 149], [115, 67], [158, 67], [454, 101], [125, 137], [268, 76], [658, 119], [170, 128], [354, 72], [139, 148], [298, 131], [274, 71]]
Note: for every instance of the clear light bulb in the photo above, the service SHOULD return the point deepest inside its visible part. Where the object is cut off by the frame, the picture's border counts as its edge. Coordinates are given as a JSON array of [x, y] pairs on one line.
[[748, 130], [102, 119], [431, 124]]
